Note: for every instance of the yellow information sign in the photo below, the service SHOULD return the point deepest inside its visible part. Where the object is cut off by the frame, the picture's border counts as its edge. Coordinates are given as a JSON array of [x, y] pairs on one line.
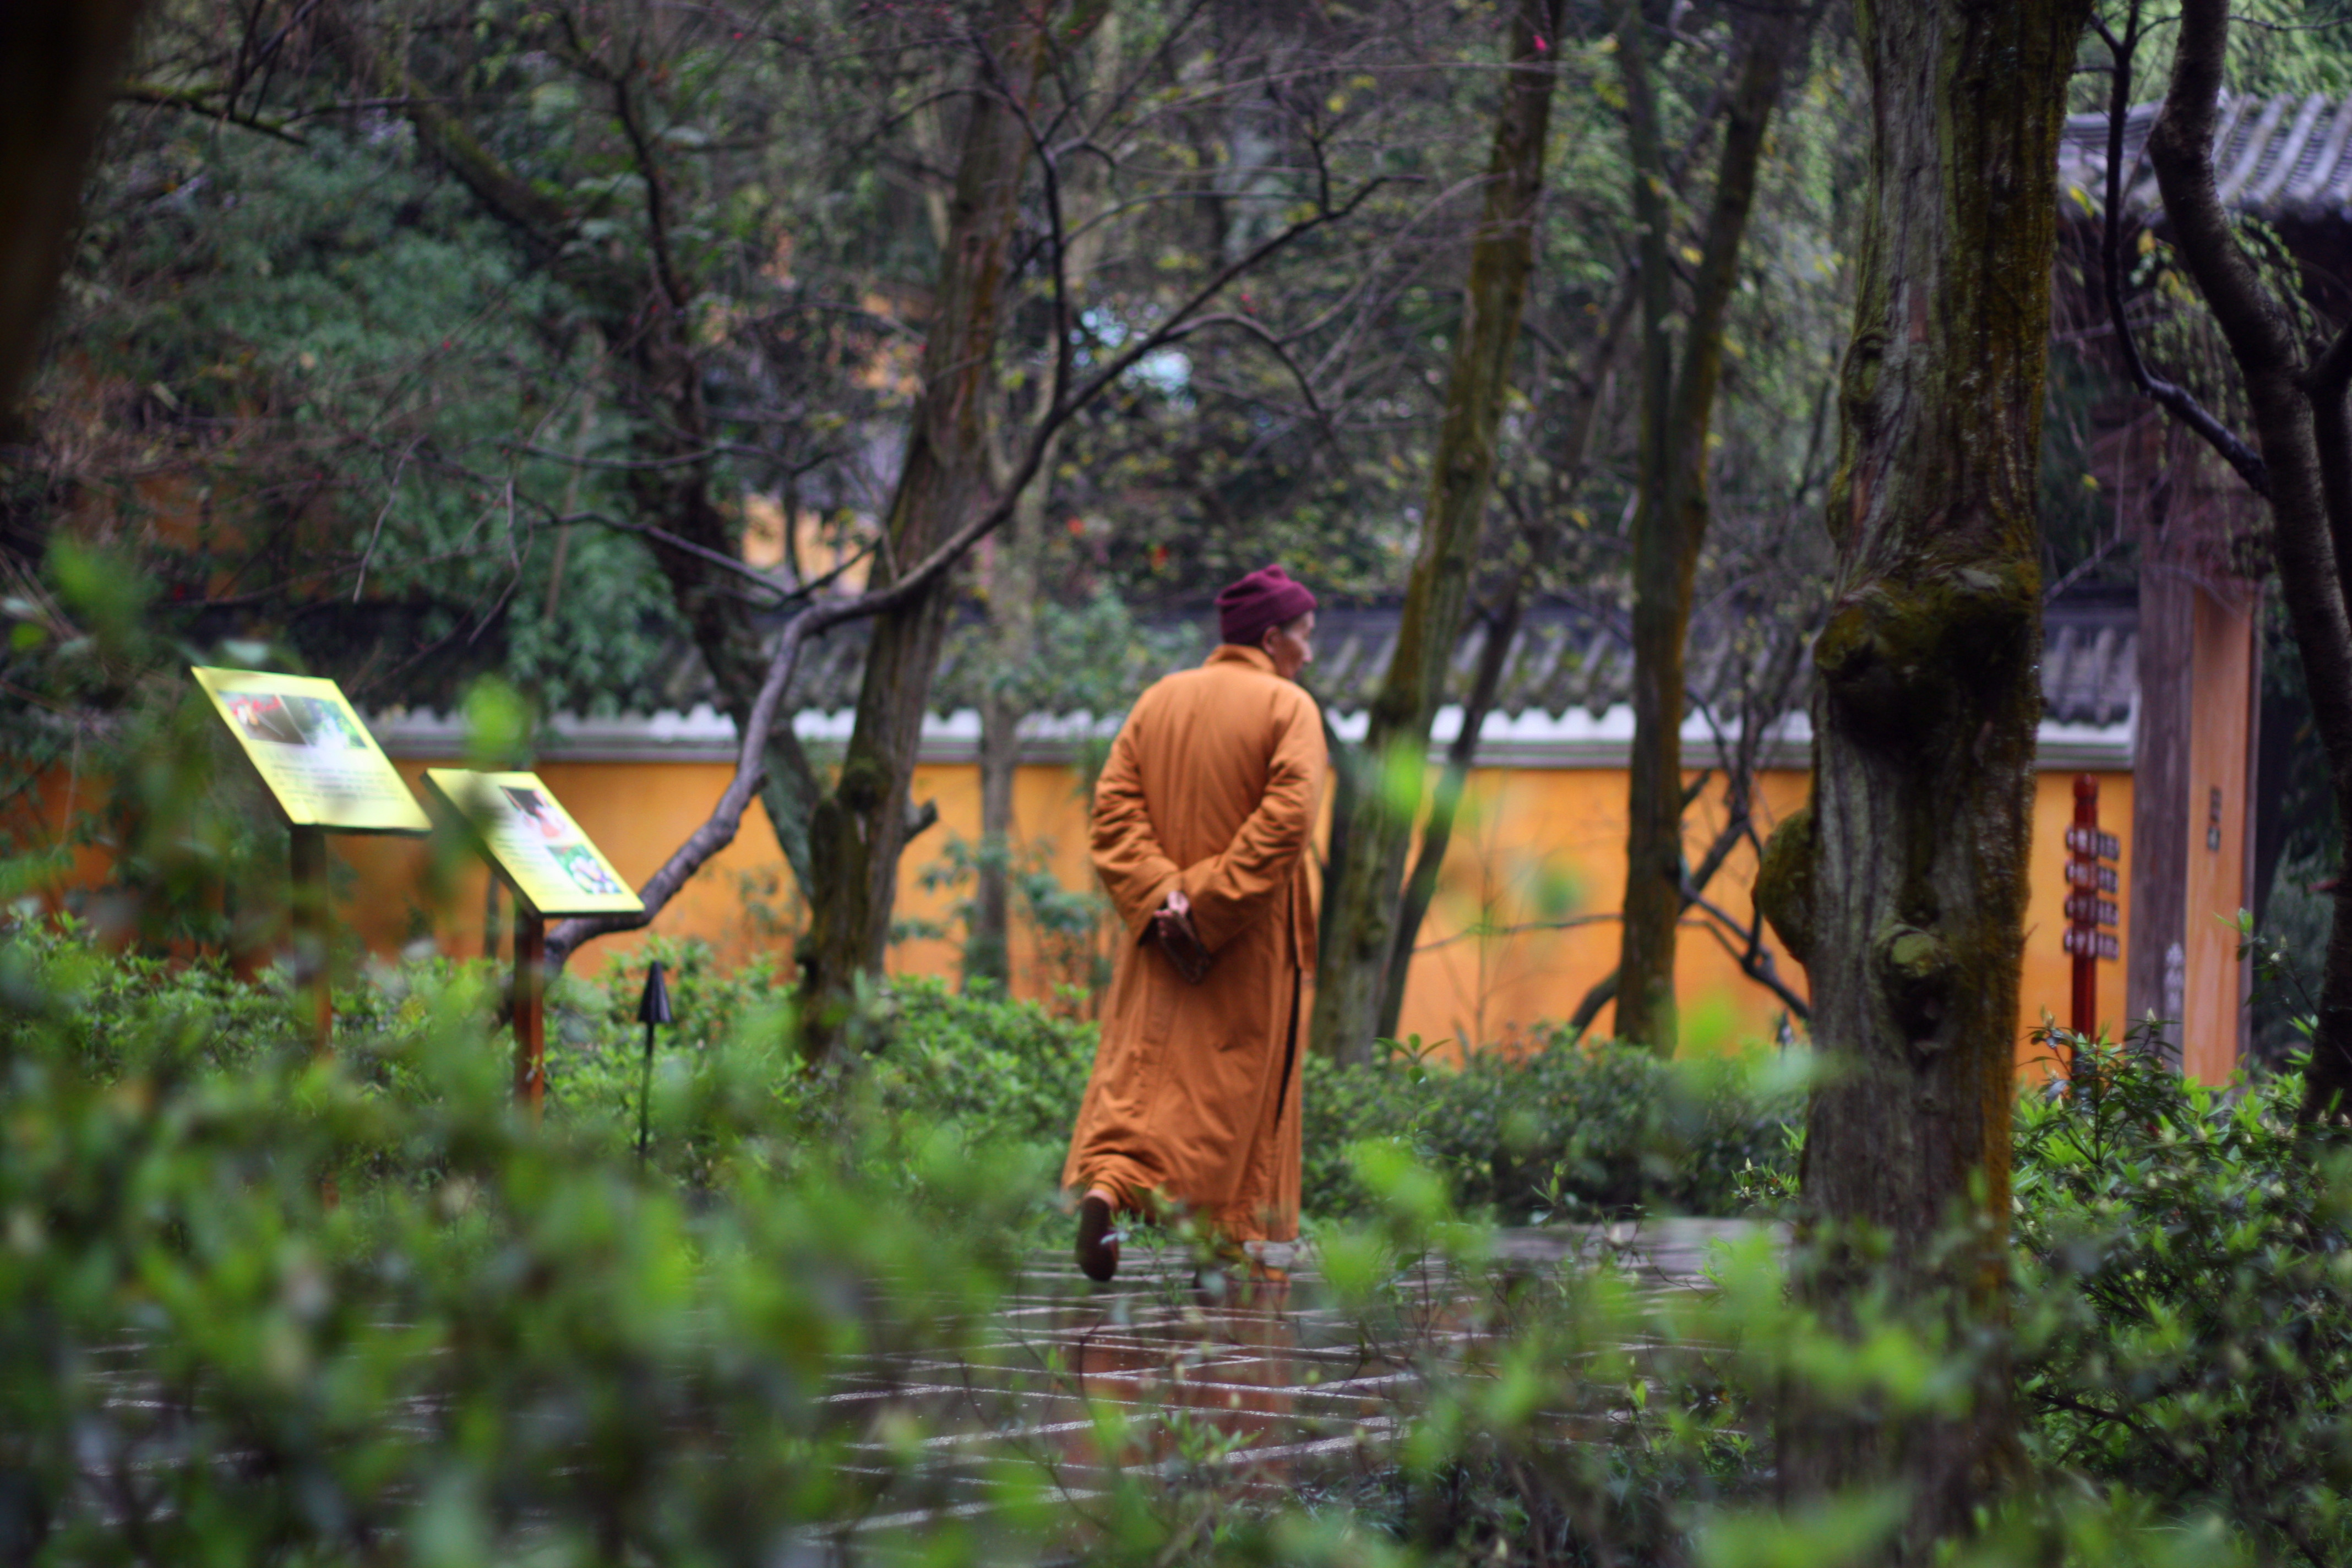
[[320, 762], [534, 843]]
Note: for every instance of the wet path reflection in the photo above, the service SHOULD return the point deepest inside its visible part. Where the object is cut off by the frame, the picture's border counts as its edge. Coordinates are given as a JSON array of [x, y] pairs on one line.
[[1239, 1388]]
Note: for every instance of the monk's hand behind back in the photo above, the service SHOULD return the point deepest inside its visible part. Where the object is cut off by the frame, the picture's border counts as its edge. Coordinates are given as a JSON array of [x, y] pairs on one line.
[[1171, 928]]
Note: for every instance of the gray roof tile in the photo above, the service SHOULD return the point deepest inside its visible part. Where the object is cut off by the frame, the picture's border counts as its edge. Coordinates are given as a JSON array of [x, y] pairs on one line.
[[2277, 157], [1565, 657]]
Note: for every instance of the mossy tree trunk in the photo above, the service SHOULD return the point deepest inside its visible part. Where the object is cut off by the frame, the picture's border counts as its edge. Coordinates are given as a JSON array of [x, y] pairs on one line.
[[1359, 910], [859, 829], [1671, 515], [1902, 888]]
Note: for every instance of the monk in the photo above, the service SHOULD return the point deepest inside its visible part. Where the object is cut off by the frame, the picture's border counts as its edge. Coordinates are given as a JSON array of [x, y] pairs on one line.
[[1200, 827]]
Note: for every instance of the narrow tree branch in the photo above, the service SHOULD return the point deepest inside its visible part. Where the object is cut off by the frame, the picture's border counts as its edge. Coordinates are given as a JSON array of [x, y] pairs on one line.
[[1275, 345], [2175, 399], [543, 222], [1740, 760], [2331, 373], [1482, 932], [633, 464], [2308, 448], [2180, 149], [188, 100], [1604, 991], [663, 537], [1057, 228], [1755, 959]]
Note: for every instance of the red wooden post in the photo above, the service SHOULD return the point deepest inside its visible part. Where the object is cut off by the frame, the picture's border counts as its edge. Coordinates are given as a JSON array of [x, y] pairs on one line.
[[308, 870], [2081, 887], [530, 1006]]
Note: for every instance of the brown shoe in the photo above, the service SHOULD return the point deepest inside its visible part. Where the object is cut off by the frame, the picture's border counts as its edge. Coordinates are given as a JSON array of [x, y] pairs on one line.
[[1098, 1242]]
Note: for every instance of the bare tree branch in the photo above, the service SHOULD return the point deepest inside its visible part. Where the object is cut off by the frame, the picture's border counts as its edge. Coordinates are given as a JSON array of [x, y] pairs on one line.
[[1275, 345], [719, 829], [1755, 959], [2176, 399], [190, 101]]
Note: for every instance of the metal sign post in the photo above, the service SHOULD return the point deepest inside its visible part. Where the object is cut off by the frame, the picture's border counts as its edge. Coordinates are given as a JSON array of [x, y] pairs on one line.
[[324, 774], [530, 1006], [2088, 877], [550, 868], [312, 951]]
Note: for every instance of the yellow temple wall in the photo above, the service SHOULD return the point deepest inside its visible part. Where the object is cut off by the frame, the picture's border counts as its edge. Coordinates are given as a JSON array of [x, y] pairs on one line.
[[1520, 930]]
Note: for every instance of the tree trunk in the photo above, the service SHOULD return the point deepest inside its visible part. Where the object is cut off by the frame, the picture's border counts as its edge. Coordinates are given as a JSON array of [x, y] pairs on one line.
[[1901, 887], [1013, 578], [1359, 912], [2304, 431], [60, 62], [1015, 574], [1347, 789], [1671, 517], [857, 832], [988, 952]]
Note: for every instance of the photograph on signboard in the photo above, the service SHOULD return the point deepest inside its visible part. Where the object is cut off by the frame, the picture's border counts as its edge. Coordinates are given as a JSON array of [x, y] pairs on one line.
[[317, 759], [534, 842]]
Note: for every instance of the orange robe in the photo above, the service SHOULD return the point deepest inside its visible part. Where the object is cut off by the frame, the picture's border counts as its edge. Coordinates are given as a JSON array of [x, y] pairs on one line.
[[1210, 787]]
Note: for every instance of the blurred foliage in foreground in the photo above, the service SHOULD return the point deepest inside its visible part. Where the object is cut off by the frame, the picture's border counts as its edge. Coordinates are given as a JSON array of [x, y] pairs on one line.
[[502, 1344], [498, 1345]]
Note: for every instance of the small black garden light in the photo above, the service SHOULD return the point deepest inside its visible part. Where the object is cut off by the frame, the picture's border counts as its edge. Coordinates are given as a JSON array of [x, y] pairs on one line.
[[652, 1008]]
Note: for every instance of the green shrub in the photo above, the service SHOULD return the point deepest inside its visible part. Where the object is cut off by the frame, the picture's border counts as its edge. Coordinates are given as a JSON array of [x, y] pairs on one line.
[[2182, 1307], [1565, 1128], [259, 1308], [2186, 1297], [1003, 1071], [503, 1343], [1576, 1416]]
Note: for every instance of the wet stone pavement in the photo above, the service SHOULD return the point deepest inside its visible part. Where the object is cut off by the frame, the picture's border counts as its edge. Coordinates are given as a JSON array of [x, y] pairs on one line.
[[1269, 1388]]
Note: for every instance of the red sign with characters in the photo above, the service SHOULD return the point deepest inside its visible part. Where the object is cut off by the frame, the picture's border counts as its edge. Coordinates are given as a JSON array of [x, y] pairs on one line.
[[2086, 846]]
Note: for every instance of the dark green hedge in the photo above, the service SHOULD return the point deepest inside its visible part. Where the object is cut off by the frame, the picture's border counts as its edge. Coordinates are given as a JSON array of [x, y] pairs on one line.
[[1561, 1128]]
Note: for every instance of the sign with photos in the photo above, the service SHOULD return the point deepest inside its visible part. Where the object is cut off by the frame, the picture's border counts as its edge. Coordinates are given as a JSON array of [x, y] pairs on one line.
[[319, 761], [534, 843]]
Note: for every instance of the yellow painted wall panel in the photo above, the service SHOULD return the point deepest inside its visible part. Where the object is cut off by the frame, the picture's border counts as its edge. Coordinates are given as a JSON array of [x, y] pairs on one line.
[[1521, 928]]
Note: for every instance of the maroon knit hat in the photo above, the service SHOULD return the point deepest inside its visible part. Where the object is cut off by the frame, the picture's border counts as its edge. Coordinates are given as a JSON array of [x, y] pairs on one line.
[[1266, 597]]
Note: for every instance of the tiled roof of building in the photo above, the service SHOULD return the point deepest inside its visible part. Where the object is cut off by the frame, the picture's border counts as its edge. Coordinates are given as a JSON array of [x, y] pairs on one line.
[[2282, 157], [1563, 702], [1565, 658]]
